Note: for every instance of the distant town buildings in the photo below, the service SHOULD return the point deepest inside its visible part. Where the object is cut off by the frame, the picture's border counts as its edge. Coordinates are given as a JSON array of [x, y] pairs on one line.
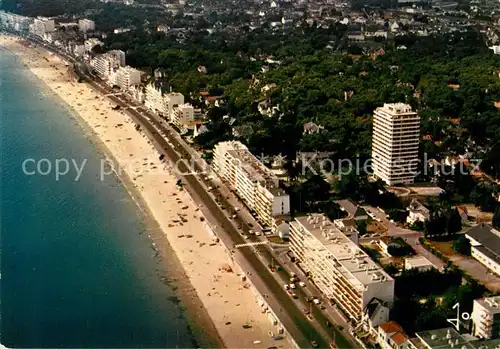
[[252, 181], [86, 25], [486, 317], [14, 21], [338, 267], [485, 241], [396, 135]]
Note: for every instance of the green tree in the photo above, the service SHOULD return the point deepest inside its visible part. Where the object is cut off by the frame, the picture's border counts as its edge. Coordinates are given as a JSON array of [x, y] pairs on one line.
[[462, 245], [453, 222]]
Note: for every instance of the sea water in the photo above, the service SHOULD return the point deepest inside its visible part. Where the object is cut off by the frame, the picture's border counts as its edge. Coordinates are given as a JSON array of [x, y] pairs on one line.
[[77, 267]]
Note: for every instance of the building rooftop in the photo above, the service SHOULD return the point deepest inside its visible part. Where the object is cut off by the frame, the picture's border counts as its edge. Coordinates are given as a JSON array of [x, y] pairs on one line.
[[418, 261], [488, 240], [397, 109], [492, 304], [351, 260], [254, 168], [444, 338]]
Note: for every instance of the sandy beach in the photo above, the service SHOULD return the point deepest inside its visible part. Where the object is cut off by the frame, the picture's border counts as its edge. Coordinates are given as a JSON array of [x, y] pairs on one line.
[[212, 286]]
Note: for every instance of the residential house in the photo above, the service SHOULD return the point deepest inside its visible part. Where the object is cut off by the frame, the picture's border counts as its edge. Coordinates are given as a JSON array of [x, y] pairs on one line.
[[417, 212], [391, 335], [311, 127], [376, 313]]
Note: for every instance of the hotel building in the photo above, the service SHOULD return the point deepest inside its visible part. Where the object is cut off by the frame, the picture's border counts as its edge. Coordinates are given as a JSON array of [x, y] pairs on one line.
[[486, 317], [395, 140], [42, 26], [86, 25], [125, 77], [106, 64], [338, 267], [162, 103], [253, 182], [185, 117]]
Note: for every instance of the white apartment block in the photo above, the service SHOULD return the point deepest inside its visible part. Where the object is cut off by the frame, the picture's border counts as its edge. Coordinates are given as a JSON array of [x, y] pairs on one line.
[[42, 26], [91, 43], [486, 317], [183, 116], [253, 182], [86, 25], [395, 140], [106, 64], [14, 21], [162, 103], [125, 77], [340, 269]]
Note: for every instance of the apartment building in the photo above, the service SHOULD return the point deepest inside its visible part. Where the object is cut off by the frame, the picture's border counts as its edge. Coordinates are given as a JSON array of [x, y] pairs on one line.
[[106, 64], [86, 25], [183, 116], [162, 103], [253, 182], [338, 267], [42, 26], [14, 21], [125, 78], [486, 317], [395, 140]]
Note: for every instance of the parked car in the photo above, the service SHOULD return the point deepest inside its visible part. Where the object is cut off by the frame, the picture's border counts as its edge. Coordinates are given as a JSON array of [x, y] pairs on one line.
[[287, 287], [292, 286], [294, 295], [302, 284], [316, 301]]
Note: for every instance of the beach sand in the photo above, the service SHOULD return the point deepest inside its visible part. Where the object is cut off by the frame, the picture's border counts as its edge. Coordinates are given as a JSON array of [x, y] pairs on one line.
[[212, 287]]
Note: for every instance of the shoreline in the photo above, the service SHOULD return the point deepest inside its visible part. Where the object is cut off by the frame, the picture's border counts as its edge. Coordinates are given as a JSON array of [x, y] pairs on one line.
[[216, 301]]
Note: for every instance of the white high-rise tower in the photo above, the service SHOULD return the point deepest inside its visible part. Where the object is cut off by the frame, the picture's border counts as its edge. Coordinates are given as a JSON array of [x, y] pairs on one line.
[[395, 140]]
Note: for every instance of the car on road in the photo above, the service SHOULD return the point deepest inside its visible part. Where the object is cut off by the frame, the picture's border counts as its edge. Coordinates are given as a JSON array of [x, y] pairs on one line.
[[287, 287], [316, 301], [302, 284]]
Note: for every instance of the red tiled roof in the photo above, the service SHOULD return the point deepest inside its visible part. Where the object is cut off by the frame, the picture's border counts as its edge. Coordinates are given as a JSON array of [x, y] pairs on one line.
[[399, 338], [211, 98], [496, 104], [203, 93], [391, 327], [454, 121]]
